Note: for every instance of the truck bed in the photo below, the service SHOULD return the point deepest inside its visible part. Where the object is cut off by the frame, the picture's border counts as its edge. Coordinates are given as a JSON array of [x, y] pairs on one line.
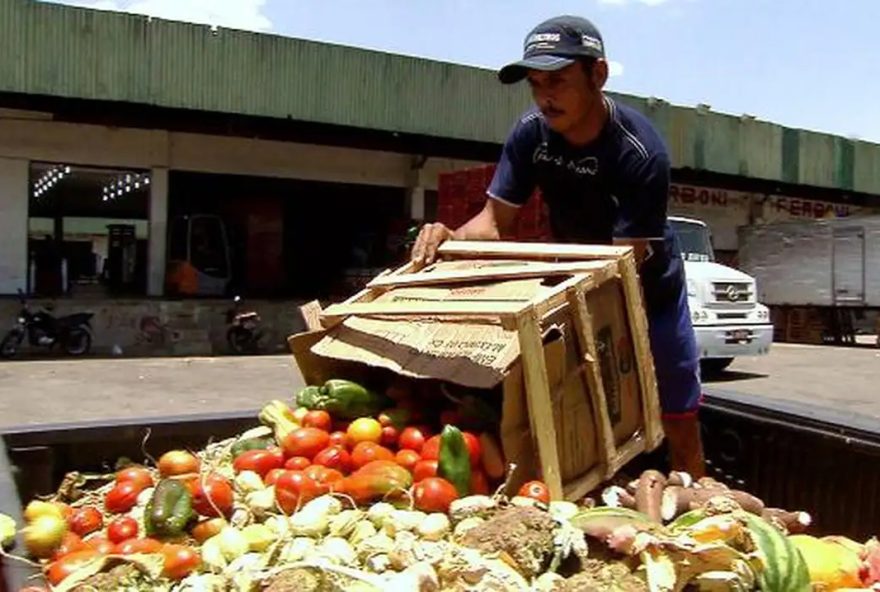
[[791, 455]]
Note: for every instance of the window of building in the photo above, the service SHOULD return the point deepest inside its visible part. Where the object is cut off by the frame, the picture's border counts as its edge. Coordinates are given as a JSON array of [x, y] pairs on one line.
[[88, 230]]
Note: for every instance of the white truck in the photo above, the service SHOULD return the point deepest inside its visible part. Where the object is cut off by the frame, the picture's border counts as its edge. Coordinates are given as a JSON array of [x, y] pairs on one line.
[[727, 317]]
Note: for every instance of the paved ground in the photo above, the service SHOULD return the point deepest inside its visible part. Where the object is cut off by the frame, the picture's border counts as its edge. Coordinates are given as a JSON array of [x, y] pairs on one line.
[[41, 392], [843, 378]]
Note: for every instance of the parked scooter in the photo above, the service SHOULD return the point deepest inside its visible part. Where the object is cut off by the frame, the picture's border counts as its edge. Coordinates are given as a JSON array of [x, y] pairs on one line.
[[244, 333], [73, 333]]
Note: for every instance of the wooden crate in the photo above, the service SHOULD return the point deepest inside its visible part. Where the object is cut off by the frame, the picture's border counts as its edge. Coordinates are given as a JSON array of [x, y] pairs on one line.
[[580, 399]]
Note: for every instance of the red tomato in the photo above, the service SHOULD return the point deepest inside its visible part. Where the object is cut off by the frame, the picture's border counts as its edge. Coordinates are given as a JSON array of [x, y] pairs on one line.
[[297, 463], [536, 490], [389, 438], [207, 528], [407, 459], [71, 543], [138, 475], [335, 457], [305, 442], [258, 461], [122, 529], [272, 476], [323, 476], [58, 570], [474, 448], [85, 521], [479, 482], [431, 449], [434, 494], [134, 546], [424, 469], [293, 489], [412, 439], [218, 490], [178, 462], [122, 497], [366, 452], [180, 561], [318, 419], [339, 439], [101, 545]]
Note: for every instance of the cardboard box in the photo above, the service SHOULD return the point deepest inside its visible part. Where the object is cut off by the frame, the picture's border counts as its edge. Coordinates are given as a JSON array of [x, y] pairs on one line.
[[565, 341]]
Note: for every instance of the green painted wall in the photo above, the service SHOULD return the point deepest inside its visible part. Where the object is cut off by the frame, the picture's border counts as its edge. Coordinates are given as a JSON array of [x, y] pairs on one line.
[[63, 51]]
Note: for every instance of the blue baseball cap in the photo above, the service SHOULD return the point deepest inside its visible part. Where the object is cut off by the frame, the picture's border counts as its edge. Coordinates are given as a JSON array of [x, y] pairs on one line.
[[555, 44]]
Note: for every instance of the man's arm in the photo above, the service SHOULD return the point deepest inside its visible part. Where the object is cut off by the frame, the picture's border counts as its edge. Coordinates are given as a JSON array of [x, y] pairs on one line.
[[511, 187], [494, 220]]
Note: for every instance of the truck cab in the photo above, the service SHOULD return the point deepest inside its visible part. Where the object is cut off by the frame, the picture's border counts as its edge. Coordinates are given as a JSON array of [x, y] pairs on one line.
[[728, 320]]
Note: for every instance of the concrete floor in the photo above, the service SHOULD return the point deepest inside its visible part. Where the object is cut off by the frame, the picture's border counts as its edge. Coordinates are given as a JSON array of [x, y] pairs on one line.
[[43, 392]]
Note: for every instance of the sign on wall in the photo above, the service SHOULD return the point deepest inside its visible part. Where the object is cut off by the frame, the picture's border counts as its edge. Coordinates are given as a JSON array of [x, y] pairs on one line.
[[779, 208], [724, 210], [721, 209]]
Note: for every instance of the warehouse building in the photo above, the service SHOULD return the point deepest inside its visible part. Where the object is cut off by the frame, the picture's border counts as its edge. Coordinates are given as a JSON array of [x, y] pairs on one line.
[[151, 169]]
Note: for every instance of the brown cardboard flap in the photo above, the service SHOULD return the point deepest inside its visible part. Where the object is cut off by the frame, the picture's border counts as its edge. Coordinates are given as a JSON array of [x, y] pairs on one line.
[[470, 354]]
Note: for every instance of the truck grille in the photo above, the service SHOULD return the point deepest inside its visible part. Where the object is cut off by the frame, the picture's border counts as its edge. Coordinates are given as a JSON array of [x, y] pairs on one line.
[[733, 292]]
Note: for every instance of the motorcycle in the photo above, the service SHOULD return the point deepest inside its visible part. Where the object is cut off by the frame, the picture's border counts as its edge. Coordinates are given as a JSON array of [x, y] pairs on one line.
[[244, 333], [73, 332]]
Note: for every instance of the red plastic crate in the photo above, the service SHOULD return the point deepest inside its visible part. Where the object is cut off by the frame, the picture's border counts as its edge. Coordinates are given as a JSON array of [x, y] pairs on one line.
[[462, 194]]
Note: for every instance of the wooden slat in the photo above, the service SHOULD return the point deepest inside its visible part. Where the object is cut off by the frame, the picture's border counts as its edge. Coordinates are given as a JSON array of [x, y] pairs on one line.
[[539, 402], [641, 343], [493, 309], [558, 296], [631, 449], [369, 294], [575, 490], [586, 338], [311, 313], [530, 250], [487, 273]]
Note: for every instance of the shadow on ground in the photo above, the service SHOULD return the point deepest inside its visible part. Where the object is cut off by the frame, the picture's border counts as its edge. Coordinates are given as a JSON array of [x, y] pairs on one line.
[[731, 376]]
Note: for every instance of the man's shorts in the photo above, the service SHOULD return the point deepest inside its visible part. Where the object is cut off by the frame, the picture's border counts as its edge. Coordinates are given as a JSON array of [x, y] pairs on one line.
[[676, 358]]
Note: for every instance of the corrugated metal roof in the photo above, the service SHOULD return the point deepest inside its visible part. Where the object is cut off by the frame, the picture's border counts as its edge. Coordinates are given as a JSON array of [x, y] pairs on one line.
[[64, 51]]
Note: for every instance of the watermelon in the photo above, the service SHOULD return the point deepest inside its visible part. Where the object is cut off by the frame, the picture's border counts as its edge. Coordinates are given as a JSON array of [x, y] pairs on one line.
[[784, 568]]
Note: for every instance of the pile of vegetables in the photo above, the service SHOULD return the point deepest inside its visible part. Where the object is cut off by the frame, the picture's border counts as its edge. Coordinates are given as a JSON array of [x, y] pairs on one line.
[[344, 488]]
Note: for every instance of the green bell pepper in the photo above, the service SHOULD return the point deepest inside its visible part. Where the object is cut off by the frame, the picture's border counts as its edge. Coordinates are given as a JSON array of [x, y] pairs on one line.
[[454, 464], [169, 509], [343, 399]]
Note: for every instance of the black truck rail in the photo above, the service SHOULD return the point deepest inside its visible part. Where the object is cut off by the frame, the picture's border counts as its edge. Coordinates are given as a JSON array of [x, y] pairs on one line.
[[793, 456]]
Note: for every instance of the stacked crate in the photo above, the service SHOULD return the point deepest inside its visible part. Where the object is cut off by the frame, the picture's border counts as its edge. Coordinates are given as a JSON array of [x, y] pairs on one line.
[[462, 194]]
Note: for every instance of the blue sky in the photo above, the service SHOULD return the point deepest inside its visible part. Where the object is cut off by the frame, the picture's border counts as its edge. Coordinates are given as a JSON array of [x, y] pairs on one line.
[[803, 63]]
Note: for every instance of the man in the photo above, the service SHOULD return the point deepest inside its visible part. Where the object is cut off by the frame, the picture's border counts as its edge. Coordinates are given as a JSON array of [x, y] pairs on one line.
[[604, 173]]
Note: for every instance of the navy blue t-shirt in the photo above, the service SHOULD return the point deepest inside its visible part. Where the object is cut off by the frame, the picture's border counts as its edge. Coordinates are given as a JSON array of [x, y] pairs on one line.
[[615, 187]]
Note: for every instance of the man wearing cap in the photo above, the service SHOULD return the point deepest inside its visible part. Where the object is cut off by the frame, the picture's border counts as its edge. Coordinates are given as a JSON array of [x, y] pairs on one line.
[[603, 171]]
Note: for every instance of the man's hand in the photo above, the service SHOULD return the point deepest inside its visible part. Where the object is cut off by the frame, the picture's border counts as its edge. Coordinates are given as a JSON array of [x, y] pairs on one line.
[[429, 240]]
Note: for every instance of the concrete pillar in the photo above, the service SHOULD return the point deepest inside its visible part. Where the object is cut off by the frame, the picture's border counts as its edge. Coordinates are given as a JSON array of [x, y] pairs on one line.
[[417, 203], [13, 225], [415, 188], [158, 231]]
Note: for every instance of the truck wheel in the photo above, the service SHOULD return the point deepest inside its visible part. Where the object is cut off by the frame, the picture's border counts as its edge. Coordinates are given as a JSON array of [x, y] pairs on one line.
[[712, 366]]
